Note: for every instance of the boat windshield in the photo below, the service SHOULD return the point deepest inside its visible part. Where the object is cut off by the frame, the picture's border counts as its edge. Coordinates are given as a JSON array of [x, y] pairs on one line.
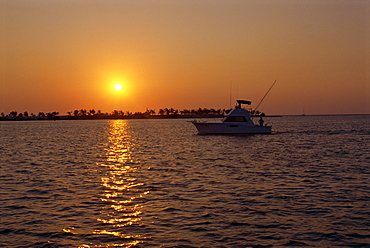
[[235, 119]]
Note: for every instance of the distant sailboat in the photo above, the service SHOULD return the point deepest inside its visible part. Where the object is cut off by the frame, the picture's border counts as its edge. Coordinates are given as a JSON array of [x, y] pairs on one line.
[[303, 114]]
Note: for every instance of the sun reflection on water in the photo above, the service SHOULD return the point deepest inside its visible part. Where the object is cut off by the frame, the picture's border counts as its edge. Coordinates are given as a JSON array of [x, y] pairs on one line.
[[122, 191]]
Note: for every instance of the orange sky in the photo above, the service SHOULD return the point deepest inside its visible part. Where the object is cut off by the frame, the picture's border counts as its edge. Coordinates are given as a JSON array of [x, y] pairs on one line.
[[59, 55]]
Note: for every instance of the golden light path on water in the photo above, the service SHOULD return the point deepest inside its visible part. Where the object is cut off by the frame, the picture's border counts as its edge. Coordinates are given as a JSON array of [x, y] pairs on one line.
[[120, 189]]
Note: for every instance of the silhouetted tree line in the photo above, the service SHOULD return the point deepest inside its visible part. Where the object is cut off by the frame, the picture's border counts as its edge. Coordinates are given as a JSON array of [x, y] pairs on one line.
[[98, 114], [148, 112], [257, 113], [26, 115]]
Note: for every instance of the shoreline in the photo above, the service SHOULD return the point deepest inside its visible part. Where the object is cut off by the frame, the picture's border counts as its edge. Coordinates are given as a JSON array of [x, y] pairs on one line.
[[147, 117], [110, 117]]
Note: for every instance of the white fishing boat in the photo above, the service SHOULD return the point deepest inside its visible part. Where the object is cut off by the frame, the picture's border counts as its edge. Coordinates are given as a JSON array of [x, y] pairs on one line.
[[237, 121]]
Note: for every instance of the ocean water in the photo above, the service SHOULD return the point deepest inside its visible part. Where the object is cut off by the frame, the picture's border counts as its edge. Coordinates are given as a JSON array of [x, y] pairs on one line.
[[156, 183]]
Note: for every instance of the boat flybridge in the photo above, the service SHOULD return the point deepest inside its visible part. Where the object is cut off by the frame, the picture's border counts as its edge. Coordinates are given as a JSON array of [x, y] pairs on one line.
[[237, 121]]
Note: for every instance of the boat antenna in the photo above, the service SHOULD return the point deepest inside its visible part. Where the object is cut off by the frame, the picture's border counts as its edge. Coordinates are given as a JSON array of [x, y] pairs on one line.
[[231, 87], [265, 95]]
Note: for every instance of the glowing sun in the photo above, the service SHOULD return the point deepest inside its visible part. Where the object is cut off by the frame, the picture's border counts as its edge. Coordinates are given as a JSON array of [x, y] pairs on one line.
[[118, 86]]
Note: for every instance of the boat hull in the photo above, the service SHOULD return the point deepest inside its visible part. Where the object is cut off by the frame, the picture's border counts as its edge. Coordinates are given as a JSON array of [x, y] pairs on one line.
[[230, 128]]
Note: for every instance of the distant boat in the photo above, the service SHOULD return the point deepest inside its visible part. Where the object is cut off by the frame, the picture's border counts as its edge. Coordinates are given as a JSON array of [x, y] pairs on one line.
[[238, 121]]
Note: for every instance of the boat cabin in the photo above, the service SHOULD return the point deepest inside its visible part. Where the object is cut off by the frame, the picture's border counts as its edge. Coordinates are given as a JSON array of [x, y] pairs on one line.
[[238, 114]]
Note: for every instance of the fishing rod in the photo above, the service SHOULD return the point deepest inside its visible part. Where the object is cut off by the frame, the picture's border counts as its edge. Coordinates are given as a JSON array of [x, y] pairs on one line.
[[265, 95]]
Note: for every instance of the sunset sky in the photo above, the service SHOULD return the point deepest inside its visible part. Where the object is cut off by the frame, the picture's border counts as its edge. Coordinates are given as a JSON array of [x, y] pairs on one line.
[[62, 55]]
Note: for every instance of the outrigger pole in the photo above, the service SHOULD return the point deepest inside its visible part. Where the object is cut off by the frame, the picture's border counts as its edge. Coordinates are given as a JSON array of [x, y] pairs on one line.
[[265, 95]]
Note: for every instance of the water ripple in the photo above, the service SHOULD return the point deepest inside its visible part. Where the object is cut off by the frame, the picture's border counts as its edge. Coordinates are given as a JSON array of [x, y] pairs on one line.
[[155, 183]]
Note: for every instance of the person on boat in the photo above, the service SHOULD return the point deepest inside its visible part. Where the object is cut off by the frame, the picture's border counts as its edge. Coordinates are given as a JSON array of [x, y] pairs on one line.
[[261, 121]]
